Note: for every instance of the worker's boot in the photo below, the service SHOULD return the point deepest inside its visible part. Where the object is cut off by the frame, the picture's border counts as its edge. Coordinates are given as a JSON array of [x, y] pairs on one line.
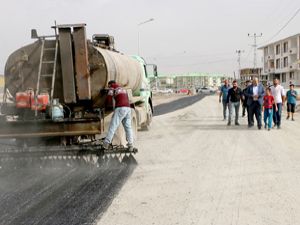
[[130, 147], [105, 145]]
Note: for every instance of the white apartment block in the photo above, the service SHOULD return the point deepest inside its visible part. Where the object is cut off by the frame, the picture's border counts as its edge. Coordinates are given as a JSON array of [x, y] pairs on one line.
[[281, 60]]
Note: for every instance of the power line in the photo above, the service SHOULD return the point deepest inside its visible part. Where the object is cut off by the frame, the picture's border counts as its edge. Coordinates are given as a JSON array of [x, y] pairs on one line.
[[284, 26]]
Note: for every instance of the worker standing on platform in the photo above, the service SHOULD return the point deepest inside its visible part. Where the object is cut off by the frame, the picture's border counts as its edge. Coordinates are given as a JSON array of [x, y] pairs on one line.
[[223, 97], [118, 97]]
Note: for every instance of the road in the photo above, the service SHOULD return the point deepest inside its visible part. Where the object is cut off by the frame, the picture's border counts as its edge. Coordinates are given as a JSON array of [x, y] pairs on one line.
[[193, 169], [62, 191]]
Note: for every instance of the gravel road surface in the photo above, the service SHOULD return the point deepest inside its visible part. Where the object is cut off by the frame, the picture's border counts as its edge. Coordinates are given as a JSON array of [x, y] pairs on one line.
[[193, 169]]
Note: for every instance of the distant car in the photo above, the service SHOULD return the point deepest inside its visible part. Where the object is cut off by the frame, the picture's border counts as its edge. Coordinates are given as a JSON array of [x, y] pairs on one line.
[[206, 90], [165, 91], [183, 90]]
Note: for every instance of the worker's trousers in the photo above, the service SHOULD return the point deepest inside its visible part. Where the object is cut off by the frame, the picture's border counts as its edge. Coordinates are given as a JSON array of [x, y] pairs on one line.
[[121, 115]]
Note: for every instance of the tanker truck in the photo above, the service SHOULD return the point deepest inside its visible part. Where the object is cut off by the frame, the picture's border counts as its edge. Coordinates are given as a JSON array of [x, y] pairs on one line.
[[52, 96]]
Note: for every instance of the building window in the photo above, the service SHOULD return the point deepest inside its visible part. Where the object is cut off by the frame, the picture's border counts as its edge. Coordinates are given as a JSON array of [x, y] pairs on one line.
[[292, 76], [285, 47], [285, 62], [266, 51], [277, 49], [283, 77], [277, 63]]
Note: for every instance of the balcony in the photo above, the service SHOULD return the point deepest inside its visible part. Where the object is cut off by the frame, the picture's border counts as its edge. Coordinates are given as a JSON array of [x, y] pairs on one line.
[[292, 51], [293, 66]]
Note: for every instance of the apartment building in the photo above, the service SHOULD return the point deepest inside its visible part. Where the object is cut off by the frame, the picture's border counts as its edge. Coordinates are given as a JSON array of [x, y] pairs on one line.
[[187, 80], [281, 60], [250, 73]]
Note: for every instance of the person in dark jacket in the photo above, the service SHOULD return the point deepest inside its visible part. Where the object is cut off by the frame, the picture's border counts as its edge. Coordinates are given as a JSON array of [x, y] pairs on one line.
[[234, 98], [255, 94], [244, 100], [118, 98]]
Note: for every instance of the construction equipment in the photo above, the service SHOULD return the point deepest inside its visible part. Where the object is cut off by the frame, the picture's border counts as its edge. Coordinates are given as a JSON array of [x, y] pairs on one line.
[[52, 101]]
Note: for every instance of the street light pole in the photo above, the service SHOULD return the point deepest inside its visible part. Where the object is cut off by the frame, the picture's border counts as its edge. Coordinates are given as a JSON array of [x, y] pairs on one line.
[[144, 22]]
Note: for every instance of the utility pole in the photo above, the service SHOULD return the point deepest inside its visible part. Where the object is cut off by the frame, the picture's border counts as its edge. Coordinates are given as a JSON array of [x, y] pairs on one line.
[[255, 36], [239, 52]]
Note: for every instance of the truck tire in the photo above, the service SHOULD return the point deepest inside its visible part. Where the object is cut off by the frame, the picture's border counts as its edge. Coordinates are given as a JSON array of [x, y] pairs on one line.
[[134, 125], [146, 126]]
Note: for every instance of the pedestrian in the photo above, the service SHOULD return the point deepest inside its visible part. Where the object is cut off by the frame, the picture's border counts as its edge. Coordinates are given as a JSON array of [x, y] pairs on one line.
[[245, 98], [255, 94], [268, 104], [118, 97], [223, 96], [279, 96], [234, 98], [291, 101]]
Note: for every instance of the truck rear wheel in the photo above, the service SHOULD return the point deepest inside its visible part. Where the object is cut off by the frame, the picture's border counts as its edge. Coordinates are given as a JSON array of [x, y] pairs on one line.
[[147, 124], [134, 125]]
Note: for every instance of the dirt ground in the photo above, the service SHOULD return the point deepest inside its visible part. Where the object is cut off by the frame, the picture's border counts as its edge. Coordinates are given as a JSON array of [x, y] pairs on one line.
[[193, 169]]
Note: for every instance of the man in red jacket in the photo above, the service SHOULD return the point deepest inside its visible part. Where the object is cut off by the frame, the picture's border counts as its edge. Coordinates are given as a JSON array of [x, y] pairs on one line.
[[118, 97]]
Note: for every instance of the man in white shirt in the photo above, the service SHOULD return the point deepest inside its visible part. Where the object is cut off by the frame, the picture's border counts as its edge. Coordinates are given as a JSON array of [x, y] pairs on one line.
[[279, 96]]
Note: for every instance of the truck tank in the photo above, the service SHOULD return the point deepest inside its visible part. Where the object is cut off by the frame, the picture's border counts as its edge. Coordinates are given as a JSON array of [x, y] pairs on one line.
[[22, 67]]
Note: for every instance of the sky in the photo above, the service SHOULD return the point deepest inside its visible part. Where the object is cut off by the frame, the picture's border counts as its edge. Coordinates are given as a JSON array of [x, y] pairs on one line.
[[185, 36]]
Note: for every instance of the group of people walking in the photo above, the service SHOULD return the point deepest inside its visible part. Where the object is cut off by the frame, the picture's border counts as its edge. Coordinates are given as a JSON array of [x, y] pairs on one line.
[[257, 99]]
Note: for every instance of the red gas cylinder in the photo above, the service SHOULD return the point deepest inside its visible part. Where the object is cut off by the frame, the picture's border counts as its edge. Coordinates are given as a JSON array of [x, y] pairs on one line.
[[23, 99], [42, 102]]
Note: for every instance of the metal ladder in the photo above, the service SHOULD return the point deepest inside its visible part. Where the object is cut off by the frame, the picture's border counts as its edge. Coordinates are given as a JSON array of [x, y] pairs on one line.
[[41, 66]]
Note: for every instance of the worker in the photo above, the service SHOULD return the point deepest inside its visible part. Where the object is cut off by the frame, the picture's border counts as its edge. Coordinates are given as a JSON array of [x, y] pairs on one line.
[[118, 98]]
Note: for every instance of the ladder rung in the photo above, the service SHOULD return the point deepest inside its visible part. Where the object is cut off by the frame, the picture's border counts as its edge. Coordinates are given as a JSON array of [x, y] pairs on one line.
[[46, 75], [48, 62], [49, 49]]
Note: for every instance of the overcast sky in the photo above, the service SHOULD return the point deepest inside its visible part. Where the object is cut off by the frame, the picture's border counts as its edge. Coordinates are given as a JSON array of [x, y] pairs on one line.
[[185, 36]]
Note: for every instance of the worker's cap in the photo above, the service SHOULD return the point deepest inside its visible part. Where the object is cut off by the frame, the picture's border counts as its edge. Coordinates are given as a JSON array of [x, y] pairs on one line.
[[111, 82]]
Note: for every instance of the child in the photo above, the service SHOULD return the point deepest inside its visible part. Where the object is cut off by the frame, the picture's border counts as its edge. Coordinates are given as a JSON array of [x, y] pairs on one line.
[[291, 101], [268, 108]]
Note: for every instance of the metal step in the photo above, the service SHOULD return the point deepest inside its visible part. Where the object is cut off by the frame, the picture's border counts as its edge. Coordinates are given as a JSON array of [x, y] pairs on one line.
[[46, 75], [48, 62], [49, 49]]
